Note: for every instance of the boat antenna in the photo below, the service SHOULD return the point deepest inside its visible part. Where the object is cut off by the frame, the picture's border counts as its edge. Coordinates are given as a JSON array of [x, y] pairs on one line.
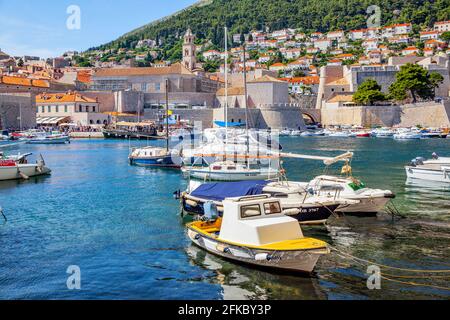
[[167, 115]]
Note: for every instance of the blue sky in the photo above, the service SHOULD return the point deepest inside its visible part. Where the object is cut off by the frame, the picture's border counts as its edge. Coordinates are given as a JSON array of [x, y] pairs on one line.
[[38, 27]]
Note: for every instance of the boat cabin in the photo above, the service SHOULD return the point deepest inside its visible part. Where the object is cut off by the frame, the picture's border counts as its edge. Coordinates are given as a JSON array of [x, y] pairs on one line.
[[257, 221], [149, 152]]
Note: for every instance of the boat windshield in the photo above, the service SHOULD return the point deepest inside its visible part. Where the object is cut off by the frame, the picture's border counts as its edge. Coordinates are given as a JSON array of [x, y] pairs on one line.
[[250, 211], [272, 208]]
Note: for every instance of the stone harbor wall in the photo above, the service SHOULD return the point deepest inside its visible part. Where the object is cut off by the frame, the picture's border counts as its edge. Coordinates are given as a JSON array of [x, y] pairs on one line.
[[12, 105], [261, 118], [428, 114]]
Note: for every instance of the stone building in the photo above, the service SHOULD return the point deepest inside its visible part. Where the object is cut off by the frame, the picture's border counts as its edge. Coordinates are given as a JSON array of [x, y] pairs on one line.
[[71, 107], [17, 111], [343, 79]]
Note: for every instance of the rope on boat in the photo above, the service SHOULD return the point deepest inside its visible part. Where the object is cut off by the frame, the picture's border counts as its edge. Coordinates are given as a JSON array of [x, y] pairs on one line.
[[389, 277]]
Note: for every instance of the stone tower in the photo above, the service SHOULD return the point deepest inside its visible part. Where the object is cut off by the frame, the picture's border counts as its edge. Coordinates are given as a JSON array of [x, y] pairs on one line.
[[189, 60]]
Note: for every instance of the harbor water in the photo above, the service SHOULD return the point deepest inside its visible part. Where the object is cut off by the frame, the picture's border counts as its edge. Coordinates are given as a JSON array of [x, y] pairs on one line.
[[121, 226]]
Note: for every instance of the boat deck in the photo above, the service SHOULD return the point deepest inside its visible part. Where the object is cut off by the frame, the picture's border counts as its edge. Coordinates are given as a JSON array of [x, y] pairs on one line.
[[212, 230]]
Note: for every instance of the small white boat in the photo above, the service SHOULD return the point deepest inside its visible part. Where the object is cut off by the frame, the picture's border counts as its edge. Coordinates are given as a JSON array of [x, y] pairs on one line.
[[230, 171], [49, 139], [383, 133], [253, 230], [17, 167], [295, 133], [407, 134], [369, 201], [339, 134], [153, 157], [429, 172], [285, 133], [313, 134]]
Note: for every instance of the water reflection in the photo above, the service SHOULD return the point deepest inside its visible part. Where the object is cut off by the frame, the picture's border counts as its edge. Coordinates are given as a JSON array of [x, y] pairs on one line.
[[242, 282]]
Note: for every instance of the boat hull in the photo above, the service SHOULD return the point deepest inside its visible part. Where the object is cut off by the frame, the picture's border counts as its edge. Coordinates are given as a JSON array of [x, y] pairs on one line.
[[365, 206], [235, 176], [50, 141], [156, 162], [302, 261], [29, 170], [428, 175], [118, 134]]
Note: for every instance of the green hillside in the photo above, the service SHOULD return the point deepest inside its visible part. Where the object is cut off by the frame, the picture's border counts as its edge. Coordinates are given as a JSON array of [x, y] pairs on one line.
[[207, 18]]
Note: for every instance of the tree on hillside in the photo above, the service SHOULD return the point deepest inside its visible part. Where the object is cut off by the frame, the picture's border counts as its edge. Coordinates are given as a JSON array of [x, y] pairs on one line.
[[413, 81], [368, 93], [445, 36], [436, 79]]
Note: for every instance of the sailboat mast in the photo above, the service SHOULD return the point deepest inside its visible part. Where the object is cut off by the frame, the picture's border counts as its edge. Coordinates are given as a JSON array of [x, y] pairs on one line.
[[167, 115], [246, 100], [226, 86]]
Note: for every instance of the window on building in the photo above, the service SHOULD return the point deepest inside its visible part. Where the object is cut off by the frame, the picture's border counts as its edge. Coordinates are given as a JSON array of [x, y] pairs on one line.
[[56, 108], [43, 109], [80, 108], [49, 108], [143, 87], [157, 86], [93, 109], [65, 109], [87, 108]]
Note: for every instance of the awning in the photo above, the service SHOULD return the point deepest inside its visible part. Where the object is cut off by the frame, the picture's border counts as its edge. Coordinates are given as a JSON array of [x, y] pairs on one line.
[[51, 120], [134, 124]]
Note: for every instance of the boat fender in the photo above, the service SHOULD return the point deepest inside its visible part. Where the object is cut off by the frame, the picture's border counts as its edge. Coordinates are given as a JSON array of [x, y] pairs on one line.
[[262, 257], [227, 251], [291, 212], [192, 203]]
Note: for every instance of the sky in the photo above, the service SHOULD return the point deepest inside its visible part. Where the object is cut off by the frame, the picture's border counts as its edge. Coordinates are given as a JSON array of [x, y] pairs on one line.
[[46, 29]]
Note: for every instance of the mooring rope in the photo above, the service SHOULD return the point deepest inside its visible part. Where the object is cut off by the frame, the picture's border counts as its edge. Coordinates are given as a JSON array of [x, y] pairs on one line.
[[368, 262]]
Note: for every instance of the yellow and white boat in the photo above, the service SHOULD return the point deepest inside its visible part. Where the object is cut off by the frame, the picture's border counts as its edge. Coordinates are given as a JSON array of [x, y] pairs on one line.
[[254, 230]]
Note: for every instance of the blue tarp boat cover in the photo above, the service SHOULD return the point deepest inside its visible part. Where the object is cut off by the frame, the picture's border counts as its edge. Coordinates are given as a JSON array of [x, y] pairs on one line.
[[223, 190], [224, 124]]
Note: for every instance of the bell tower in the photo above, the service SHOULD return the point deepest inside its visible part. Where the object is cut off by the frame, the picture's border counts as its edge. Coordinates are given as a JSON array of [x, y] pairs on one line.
[[189, 59]]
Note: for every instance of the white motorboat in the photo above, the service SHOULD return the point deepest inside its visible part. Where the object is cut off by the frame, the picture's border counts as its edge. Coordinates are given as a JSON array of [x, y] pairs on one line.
[[295, 201], [17, 167], [383, 133], [370, 201], [254, 230], [154, 157], [295, 133], [429, 172], [49, 139], [407, 134], [339, 134], [231, 171], [313, 134], [435, 170], [437, 160]]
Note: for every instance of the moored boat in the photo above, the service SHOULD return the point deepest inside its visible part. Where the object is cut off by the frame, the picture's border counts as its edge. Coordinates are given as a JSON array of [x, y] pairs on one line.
[[231, 171], [49, 139], [296, 202], [14, 168], [369, 201], [253, 230], [153, 157]]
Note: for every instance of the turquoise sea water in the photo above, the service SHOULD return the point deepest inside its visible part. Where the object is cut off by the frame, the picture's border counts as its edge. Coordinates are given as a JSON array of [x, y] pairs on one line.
[[121, 226]]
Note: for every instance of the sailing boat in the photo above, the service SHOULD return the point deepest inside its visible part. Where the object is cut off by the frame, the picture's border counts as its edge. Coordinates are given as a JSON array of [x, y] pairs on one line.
[[156, 156], [228, 170]]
